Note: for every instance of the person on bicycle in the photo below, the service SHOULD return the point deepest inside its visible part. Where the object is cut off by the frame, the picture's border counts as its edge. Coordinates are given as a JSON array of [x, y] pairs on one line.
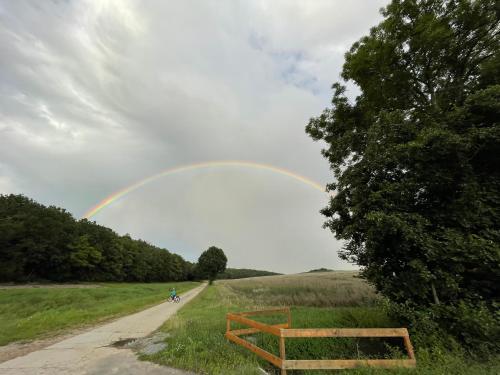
[[173, 294]]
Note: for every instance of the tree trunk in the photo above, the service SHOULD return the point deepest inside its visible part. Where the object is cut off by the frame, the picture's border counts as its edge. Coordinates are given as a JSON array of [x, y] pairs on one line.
[[434, 294]]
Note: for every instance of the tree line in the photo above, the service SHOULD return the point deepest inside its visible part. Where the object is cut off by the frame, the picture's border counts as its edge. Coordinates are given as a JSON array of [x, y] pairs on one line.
[[242, 273], [47, 243]]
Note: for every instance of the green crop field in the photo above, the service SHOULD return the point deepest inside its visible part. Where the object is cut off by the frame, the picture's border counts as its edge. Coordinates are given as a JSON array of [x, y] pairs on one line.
[[28, 313], [335, 299]]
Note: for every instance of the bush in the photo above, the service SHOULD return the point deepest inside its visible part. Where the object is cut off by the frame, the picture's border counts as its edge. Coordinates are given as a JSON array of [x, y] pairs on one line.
[[473, 327]]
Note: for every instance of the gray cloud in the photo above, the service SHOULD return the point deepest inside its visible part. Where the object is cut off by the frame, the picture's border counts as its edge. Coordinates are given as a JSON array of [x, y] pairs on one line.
[[96, 95]]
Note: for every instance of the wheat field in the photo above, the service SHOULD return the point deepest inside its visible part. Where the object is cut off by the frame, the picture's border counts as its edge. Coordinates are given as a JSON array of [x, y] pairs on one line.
[[318, 289]]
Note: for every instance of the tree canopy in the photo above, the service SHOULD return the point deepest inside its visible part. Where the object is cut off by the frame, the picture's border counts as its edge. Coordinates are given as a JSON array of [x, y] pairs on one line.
[[212, 262], [416, 159]]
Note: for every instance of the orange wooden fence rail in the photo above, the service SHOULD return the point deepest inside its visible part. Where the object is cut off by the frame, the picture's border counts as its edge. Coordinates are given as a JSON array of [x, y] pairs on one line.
[[284, 331]]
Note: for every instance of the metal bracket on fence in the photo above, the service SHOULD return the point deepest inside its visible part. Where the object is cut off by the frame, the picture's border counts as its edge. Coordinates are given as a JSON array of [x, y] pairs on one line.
[[284, 331]]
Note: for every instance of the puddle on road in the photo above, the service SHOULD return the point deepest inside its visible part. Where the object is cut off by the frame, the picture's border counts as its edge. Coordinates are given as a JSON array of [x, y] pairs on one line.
[[143, 345], [123, 343]]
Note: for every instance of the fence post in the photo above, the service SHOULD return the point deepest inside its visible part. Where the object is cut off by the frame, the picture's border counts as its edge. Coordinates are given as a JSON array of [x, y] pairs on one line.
[[282, 352], [289, 318], [409, 346]]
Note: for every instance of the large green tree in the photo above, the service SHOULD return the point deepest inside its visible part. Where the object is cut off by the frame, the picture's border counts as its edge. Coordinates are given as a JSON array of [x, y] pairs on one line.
[[416, 157], [212, 262]]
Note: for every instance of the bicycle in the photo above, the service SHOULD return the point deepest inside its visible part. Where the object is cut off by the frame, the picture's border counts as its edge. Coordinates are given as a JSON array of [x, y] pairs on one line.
[[175, 299]]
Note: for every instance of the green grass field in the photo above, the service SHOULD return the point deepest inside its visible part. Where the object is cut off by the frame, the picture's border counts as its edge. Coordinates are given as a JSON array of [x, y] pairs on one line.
[[197, 340], [29, 313]]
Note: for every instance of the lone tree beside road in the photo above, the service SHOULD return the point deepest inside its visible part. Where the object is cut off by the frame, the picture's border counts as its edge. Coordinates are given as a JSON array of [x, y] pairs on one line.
[[416, 161], [212, 262]]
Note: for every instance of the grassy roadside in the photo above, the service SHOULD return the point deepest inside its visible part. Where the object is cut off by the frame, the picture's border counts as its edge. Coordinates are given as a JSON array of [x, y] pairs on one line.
[[31, 313], [197, 341]]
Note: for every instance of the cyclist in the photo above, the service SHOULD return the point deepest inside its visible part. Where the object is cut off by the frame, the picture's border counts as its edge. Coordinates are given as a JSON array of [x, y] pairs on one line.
[[173, 294]]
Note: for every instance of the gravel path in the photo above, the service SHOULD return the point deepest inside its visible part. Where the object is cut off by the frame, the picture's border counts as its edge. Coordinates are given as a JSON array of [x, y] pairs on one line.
[[92, 353]]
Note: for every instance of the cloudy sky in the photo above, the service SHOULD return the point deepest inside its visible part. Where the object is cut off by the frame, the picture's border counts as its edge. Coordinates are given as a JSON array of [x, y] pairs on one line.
[[97, 95]]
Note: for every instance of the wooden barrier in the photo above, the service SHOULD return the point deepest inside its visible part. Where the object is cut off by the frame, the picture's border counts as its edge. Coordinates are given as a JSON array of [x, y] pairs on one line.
[[284, 330]]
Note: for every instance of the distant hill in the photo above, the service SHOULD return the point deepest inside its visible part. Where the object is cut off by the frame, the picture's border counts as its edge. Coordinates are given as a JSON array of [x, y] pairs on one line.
[[320, 270], [242, 273]]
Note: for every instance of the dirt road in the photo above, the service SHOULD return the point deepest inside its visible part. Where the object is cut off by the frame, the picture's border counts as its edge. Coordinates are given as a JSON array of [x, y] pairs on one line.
[[92, 353]]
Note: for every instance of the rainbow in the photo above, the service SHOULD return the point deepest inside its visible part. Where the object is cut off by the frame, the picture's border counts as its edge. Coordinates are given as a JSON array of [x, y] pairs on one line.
[[210, 164]]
